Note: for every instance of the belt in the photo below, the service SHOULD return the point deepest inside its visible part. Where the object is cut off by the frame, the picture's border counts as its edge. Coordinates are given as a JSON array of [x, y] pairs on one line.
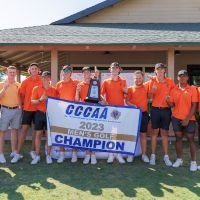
[[161, 108], [10, 107]]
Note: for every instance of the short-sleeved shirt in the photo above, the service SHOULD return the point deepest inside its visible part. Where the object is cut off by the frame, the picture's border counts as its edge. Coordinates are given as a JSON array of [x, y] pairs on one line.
[[38, 91], [11, 97], [26, 90], [113, 90], [198, 89], [163, 90], [183, 100], [138, 95], [84, 90], [67, 90]]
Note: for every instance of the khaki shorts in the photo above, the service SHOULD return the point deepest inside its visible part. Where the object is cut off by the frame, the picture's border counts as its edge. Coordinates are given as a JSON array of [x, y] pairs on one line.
[[10, 118]]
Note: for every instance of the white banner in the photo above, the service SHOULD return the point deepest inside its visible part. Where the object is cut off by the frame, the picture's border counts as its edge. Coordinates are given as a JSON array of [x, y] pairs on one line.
[[93, 127]]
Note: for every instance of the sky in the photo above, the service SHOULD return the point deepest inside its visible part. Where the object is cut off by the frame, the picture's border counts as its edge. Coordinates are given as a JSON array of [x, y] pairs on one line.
[[23, 13]]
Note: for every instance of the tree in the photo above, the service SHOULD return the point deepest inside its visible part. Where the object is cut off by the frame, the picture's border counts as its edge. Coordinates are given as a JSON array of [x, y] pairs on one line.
[[2, 73]]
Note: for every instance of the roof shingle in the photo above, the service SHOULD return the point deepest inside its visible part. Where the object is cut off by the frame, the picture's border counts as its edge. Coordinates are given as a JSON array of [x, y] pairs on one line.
[[104, 34]]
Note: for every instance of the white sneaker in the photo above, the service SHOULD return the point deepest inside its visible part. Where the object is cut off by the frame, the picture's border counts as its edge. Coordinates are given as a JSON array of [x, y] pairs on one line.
[[61, 157], [74, 157], [130, 159], [12, 154], [49, 159], [120, 158], [198, 167], [178, 163], [167, 161], [193, 166], [152, 159], [110, 158], [86, 159], [33, 154], [145, 158], [16, 158], [2, 158], [36, 160], [93, 159]]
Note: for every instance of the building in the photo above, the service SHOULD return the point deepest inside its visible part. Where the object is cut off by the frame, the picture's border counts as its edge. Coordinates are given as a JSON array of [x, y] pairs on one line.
[[136, 33]]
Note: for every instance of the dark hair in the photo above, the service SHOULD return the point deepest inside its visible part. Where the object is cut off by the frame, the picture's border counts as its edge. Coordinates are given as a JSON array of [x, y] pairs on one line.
[[33, 64]]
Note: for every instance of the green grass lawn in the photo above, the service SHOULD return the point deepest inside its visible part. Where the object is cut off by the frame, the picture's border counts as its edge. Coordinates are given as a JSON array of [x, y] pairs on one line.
[[102, 181]]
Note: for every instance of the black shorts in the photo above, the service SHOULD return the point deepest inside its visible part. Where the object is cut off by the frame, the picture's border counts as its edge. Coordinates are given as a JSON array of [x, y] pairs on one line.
[[28, 117], [160, 118], [177, 127], [40, 121], [144, 122]]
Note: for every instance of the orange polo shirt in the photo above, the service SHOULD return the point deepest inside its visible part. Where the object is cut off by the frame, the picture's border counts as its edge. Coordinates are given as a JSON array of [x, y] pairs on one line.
[[11, 96], [198, 89], [26, 90], [84, 90], [183, 100], [113, 90], [137, 95], [163, 90], [38, 91], [67, 90]]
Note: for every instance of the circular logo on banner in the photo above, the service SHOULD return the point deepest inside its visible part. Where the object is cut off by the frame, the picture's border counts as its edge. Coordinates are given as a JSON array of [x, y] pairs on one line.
[[95, 82]]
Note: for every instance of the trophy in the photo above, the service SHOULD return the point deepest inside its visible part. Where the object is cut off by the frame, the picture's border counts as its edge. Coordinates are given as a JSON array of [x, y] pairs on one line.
[[93, 95]]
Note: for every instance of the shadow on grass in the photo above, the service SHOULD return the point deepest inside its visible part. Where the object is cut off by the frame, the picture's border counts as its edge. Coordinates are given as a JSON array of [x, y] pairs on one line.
[[128, 178]]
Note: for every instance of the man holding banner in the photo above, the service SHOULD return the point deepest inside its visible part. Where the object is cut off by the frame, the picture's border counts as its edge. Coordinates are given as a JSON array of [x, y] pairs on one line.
[[81, 94], [66, 90], [39, 96], [113, 90], [137, 95]]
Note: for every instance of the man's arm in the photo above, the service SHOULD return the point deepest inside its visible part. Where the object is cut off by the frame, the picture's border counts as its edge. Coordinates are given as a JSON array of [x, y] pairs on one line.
[[192, 111], [3, 90]]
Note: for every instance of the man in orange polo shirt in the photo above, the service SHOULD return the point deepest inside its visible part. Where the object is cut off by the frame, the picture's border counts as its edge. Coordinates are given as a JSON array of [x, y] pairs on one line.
[[66, 89], [39, 96], [81, 94], [183, 98], [28, 116], [113, 90], [137, 95], [10, 112], [159, 88]]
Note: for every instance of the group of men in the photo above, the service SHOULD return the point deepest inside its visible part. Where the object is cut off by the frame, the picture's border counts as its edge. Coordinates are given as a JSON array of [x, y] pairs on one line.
[[170, 103]]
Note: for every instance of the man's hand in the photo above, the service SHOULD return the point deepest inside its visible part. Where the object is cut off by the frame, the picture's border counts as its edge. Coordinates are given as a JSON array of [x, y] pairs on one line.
[[185, 122], [103, 101], [43, 97], [125, 90], [6, 85], [154, 88], [78, 88], [96, 73]]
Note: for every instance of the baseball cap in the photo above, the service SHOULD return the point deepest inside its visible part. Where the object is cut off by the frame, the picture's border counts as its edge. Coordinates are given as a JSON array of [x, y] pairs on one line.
[[34, 64], [159, 65], [67, 68], [183, 72], [46, 73], [114, 64]]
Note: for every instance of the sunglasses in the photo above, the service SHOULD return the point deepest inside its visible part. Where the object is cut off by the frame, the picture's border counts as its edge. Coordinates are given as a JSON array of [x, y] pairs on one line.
[[66, 70]]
